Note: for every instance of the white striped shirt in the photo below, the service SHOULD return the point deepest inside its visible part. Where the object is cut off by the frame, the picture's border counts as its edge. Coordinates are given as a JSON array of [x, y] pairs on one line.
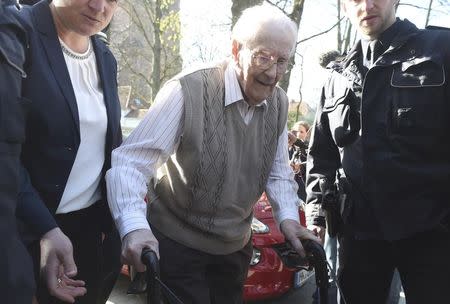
[[157, 137]]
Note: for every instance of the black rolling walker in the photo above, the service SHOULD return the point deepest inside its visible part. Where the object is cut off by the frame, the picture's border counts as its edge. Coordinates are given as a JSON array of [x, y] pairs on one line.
[[317, 259], [155, 287], [315, 255]]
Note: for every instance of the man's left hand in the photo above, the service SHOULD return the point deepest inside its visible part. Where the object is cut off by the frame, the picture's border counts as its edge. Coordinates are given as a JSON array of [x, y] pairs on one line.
[[294, 233]]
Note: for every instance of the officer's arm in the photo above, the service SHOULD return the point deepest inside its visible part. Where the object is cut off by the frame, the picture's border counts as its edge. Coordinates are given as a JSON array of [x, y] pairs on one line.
[[322, 162], [31, 210]]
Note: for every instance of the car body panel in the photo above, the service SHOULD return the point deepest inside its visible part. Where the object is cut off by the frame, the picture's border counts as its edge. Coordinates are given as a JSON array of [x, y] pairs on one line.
[[271, 277]]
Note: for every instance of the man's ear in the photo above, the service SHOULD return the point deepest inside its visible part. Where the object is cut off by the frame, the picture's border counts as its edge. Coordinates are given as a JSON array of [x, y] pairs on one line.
[[235, 48]]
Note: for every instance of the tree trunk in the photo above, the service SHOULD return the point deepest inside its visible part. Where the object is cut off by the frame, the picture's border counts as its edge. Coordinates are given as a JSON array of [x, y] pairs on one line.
[[339, 32], [428, 13], [296, 16], [348, 37], [156, 74]]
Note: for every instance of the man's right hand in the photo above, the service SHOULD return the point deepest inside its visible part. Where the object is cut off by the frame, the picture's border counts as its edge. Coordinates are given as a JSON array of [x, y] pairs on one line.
[[132, 245]]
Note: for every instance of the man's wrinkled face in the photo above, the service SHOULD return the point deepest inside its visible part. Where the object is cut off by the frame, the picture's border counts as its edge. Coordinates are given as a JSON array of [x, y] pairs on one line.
[[260, 67], [371, 17], [85, 17]]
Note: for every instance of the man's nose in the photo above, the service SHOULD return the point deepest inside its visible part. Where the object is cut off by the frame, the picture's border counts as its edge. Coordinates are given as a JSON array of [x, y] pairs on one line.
[[272, 71], [98, 5], [368, 4]]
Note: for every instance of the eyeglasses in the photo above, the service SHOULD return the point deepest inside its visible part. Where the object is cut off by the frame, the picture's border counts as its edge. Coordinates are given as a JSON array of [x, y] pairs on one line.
[[265, 62]]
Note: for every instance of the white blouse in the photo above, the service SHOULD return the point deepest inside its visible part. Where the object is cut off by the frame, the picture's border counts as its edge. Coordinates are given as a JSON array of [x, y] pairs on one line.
[[82, 188]]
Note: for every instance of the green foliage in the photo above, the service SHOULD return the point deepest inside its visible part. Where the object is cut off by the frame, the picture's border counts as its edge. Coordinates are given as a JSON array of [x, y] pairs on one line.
[[293, 117], [170, 26]]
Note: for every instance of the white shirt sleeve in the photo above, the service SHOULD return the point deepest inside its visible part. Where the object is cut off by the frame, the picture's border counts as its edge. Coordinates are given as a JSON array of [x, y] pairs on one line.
[[281, 187], [141, 154]]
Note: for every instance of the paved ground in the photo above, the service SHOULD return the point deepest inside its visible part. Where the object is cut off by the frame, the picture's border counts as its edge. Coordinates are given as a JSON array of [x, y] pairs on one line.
[[300, 296]]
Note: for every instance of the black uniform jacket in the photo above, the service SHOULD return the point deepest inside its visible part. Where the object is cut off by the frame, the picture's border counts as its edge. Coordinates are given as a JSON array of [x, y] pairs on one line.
[[52, 131], [389, 131], [16, 279]]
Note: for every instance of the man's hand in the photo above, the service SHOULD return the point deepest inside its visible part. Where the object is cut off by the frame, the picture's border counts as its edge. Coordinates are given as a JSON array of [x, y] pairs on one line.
[[294, 232], [132, 245], [58, 267]]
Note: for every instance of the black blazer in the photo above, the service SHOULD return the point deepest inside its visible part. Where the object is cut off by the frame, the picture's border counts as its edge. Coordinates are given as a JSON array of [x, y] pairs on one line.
[[53, 131]]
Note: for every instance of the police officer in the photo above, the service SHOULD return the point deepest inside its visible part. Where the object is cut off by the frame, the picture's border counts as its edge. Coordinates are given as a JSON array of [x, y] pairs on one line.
[[16, 280], [383, 118]]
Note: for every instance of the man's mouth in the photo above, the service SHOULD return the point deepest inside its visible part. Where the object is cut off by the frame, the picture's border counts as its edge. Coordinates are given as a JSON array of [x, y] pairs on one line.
[[266, 84], [368, 18], [91, 18]]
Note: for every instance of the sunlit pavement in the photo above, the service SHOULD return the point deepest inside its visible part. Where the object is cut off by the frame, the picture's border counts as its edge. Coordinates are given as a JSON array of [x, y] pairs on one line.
[[119, 294], [300, 296]]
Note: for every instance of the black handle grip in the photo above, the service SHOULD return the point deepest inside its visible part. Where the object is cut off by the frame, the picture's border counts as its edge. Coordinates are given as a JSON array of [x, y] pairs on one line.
[[318, 259], [150, 260]]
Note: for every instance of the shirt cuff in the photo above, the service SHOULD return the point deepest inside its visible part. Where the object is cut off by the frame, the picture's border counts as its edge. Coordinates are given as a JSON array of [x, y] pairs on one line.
[[287, 214], [131, 221]]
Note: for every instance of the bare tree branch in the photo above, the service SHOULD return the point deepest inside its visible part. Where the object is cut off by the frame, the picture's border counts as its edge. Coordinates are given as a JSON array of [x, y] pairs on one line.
[[321, 33]]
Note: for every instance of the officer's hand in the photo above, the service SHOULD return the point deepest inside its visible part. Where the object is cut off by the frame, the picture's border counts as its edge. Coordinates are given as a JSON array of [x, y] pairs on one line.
[[132, 245], [294, 232], [318, 231], [58, 267]]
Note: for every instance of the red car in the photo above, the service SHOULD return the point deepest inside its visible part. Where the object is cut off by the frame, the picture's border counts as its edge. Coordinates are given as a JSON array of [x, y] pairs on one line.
[[275, 268]]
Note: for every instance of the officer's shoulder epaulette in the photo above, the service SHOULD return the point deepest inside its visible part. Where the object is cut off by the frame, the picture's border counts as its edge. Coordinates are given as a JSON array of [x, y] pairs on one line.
[[434, 27]]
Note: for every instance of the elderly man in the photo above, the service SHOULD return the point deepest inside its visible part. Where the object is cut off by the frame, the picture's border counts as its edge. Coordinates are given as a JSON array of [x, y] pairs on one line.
[[221, 132], [383, 118]]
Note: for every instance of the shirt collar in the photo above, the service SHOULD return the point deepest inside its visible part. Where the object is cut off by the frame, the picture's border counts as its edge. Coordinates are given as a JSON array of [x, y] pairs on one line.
[[233, 92], [388, 35]]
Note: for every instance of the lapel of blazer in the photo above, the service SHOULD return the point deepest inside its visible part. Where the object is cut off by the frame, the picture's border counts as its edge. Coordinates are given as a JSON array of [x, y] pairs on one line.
[[106, 74], [50, 43]]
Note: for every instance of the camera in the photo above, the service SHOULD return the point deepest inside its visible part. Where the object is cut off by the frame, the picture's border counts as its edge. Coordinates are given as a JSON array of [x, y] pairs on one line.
[[301, 144]]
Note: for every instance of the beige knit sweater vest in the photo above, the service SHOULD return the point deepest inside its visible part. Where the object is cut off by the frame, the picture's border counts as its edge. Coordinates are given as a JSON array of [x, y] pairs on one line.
[[205, 201]]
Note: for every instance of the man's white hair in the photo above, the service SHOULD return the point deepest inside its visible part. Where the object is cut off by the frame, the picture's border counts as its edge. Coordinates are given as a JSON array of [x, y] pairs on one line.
[[257, 20]]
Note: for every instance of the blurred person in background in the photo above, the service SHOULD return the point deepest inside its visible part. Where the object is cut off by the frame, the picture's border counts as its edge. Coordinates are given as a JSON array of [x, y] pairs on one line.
[[298, 151]]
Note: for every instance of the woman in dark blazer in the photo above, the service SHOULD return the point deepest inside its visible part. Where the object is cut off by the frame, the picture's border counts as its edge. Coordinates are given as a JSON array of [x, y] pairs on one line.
[[73, 124]]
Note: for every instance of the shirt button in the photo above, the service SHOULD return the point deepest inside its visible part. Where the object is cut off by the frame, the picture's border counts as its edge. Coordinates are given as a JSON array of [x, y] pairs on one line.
[[412, 52], [69, 148]]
